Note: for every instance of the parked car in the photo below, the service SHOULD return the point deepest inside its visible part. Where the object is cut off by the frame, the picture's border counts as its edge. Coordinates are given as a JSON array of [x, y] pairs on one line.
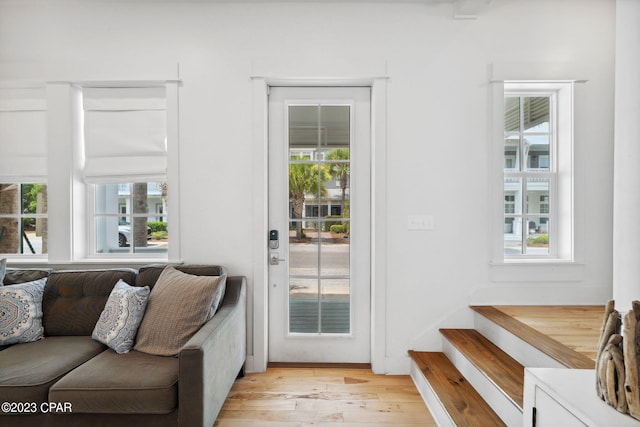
[[124, 234]]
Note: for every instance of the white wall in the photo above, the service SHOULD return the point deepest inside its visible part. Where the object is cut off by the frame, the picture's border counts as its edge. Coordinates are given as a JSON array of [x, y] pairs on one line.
[[438, 125], [626, 269]]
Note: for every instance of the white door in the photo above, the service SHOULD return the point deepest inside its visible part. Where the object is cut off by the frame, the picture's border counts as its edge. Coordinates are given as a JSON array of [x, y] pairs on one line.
[[319, 217]]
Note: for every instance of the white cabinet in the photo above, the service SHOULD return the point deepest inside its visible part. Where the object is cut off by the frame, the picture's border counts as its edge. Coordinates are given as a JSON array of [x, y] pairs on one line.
[[550, 412], [567, 398]]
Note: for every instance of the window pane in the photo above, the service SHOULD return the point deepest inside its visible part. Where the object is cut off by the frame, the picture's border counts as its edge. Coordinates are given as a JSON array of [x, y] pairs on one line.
[[512, 153], [512, 114], [131, 218], [304, 183], [512, 235], [303, 305], [335, 258], [536, 114], [9, 199], [32, 235], [110, 235], [537, 195], [335, 314], [34, 199], [113, 199], [303, 251], [538, 236], [23, 221], [141, 235], [303, 127], [537, 148], [513, 195], [335, 125]]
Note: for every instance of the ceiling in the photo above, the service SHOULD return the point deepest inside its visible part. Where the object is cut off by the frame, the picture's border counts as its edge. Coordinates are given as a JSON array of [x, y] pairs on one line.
[[462, 9]]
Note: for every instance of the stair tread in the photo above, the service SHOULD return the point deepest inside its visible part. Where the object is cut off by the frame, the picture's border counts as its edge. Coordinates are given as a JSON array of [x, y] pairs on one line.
[[500, 368], [461, 401], [554, 349]]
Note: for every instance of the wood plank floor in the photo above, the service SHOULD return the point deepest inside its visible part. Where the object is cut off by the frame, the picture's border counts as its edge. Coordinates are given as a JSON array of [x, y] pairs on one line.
[[577, 327], [290, 397], [543, 342], [356, 398]]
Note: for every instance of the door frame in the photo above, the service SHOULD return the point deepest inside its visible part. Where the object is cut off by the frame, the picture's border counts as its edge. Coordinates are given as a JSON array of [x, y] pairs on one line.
[[353, 346], [258, 316]]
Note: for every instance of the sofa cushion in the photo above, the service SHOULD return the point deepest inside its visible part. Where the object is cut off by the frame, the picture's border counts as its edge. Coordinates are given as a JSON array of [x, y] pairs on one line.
[[148, 275], [29, 369], [131, 383], [121, 317], [3, 269], [73, 300], [21, 312], [179, 305], [23, 275]]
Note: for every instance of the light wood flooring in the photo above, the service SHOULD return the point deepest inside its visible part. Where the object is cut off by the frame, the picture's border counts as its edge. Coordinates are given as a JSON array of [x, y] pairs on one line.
[[356, 398], [324, 397]]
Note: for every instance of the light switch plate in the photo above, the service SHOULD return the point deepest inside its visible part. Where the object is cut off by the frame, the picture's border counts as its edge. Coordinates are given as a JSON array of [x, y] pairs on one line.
[[420, 222]]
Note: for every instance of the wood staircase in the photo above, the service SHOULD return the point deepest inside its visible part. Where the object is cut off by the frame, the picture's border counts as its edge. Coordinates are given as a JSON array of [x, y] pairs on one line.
[[478, 378]]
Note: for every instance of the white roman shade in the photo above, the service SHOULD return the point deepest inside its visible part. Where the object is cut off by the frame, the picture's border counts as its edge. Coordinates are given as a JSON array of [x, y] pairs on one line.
[[125, 133], [23, 133]]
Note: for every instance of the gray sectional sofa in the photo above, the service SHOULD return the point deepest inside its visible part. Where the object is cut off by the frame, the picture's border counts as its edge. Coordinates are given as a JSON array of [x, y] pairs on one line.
[[67, 378]]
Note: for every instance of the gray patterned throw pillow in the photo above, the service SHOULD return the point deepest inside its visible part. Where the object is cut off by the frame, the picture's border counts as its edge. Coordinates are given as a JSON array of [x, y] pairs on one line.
[[21, 312], [122, 314]]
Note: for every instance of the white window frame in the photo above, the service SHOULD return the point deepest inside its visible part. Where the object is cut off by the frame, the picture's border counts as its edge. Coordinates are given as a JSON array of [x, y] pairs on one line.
[[561, 215], [87, 238], [69, 207]]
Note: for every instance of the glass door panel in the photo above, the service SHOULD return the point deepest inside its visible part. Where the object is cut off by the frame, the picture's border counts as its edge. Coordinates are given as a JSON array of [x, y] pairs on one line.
[[319, 168]]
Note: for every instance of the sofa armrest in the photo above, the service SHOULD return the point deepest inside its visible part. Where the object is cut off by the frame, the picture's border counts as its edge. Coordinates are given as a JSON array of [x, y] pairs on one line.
[[213, 357]]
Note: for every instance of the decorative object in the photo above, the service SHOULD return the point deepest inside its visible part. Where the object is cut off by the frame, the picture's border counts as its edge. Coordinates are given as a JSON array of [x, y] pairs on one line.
[[179, 305], [617, 360], [121, 317], [21, 312]]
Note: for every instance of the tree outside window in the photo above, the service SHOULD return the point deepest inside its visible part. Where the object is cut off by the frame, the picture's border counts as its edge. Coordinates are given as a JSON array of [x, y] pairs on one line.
[[23, 219]]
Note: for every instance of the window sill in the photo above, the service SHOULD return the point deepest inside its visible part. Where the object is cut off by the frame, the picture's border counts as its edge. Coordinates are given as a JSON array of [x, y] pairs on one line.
[[537, 270]]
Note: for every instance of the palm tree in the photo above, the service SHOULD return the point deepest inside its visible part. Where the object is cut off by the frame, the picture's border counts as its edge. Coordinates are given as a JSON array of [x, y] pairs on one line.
[[140, 207], [304, 178], [340, 171], [165, 198], [44, 222]]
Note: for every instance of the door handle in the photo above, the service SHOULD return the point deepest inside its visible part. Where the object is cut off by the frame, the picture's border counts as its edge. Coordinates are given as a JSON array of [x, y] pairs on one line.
[[274, 258]]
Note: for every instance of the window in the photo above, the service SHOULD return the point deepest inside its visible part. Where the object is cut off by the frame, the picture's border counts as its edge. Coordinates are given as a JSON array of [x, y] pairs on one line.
[[23, 219], [125, 140], [23, 172], [537, 171], [126, 218]]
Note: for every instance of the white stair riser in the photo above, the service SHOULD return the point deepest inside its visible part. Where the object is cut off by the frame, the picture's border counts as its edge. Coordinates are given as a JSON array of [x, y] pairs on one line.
[[523, 352]]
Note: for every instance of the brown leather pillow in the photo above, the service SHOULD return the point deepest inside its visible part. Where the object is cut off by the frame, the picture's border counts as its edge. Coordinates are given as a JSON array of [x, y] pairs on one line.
[[178, 306]]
